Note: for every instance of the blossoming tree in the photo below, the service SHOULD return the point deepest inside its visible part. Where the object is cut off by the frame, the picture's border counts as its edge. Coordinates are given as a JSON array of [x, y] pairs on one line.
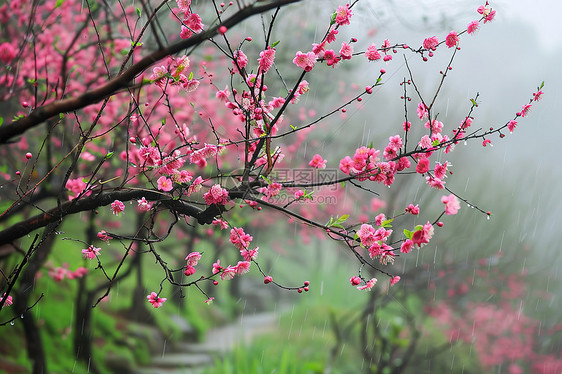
[[172, 108]]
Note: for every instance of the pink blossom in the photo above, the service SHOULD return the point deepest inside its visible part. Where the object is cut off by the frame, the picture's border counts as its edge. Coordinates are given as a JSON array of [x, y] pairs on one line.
[[331, 36], [209, 300], [394, 280], [355, 281], [242, 267], [9, 301], [191, 85], [217, 268], [228, 273], [240, 59], [403, 163], [423, 234], [165, 184], [76, 186], [422, 111], [414, 210], [370, 284], [91, 252], [331, 58], [195, 186], [58, 274], [193, 258], [440, 170], [266, 59], [346, 51], [143, 205], [525, 110], [472, 27], [183, 5], [435, 182], [452, 39], [436, 126], [318, 162], [407, 125], [537, 95], [406, 246], [117, 207], [367, 235], [511, 125], [102, 235], [430, 43], [189, 270], [299, 194], [422, 166], [379, 219], [223, 95], [216, 195], [239, 238], [249, 255], [221, 223], [490, 16], [193, 22], [343, 14], [305, 61], [372, 53], [155, 300], [452, 204]]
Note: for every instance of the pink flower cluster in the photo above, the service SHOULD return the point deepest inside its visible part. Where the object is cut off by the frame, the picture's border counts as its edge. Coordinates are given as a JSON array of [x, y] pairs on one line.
[[231, 271], [423, 234], [318, 162], [9, 301], [117, 207], [216, 195], [156, 301], [240, 239], [192, 260], [365, 164], [76, 187], [59, 273], [91, 252]]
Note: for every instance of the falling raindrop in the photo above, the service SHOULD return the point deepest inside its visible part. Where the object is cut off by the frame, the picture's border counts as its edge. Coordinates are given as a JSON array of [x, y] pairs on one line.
[[465, 143], [12, 323], [21, 316], [488, 218]]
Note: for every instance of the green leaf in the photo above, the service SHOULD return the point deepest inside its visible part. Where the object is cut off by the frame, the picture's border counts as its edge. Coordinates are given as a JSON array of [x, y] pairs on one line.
[[293, 127], [190, 76], [435, 143], [266, 179], [408, 234], [138, 12], [135, 44], [1, 121], [333, 19], [387, 223], [542, 85], [108, 155], [473, 102], [59, 3], [275, 44], [418, 228]]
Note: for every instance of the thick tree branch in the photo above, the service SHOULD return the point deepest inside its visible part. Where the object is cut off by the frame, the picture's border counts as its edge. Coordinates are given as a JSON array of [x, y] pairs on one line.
[[102, 199], [123, 80]]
